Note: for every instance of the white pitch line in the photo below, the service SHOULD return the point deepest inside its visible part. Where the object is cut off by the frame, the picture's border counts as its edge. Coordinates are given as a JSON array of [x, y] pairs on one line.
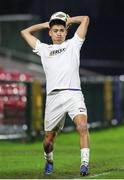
[[101, 174]]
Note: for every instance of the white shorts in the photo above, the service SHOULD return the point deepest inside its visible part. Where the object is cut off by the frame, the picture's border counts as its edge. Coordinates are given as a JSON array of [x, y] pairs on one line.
[[58, 104]]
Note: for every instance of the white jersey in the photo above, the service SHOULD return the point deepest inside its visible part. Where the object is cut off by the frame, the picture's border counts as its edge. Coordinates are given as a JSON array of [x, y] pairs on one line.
[[61, 63]]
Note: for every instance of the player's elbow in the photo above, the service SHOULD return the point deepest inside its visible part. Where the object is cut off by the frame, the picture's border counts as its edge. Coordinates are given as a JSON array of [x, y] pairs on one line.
[[23, 32], [86, 19]]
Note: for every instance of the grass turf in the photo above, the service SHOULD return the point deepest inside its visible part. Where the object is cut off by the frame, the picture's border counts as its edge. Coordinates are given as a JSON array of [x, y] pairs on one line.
[[25, 161]]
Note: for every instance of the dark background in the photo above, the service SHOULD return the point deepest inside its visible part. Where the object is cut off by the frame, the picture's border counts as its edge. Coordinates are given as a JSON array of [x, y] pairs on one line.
[[103, 50]]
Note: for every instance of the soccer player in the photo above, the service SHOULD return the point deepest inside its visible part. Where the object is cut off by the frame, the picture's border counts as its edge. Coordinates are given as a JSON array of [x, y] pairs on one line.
[[61, 61]]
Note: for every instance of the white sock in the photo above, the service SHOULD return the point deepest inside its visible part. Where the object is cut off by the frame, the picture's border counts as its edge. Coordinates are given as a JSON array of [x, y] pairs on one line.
[[48, 156], [85, 156]]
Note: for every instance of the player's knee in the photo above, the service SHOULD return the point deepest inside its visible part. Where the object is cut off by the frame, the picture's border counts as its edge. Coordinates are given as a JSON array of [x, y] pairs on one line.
[[49, 137], [82, 127]]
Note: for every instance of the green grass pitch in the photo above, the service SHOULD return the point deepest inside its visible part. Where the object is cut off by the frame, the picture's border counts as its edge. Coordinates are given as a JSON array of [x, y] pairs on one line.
[[25, 161]]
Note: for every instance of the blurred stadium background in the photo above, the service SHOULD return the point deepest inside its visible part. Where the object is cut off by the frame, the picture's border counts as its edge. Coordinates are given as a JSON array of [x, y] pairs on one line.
[[22, 80]]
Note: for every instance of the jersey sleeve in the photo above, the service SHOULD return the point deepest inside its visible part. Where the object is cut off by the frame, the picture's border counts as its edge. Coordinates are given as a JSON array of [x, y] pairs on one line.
[[77, 41], [39, 48]]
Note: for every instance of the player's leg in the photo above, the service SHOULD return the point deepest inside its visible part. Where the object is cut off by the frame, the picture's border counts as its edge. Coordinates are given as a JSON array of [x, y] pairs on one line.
[[48, 145], [54, 121], [78, 112], [81, 126]]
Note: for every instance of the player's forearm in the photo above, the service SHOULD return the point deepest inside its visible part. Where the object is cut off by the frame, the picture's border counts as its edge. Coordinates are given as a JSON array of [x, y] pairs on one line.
[[27, 33], [35, 28], [77, 20], [83, 22]]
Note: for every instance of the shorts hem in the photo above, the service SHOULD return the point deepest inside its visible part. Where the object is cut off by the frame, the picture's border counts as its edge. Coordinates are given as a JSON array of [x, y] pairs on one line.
[[83, 113]]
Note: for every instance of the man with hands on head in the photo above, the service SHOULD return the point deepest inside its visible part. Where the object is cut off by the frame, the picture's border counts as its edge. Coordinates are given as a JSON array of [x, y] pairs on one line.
[[61, 61]]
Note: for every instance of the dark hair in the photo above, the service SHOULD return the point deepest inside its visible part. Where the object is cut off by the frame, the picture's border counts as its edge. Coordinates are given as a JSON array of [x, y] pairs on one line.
[[57, 22]]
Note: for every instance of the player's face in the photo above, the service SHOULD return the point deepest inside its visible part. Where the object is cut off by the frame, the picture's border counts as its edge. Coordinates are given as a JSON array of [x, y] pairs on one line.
[[58, 34]]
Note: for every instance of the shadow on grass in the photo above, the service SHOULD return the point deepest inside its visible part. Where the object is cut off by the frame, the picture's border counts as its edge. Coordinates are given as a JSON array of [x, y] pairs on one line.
[[39, 175]]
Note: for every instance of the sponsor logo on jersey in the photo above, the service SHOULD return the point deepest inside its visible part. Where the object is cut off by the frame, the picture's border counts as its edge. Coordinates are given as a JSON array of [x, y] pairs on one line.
[[57, 51]]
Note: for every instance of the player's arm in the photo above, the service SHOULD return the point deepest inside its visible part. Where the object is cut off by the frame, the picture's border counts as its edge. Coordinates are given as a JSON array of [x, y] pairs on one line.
[[83, 22], [27, 33]]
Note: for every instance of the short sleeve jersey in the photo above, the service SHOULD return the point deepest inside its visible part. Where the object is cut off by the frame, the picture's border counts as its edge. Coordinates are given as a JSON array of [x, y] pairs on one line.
[[61, 63]]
